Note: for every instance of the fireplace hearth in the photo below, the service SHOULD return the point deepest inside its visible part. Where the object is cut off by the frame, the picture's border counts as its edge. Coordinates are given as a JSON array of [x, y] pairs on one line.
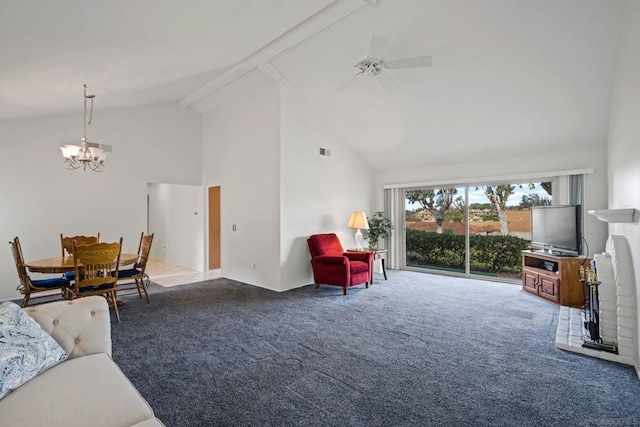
[[605, 327]]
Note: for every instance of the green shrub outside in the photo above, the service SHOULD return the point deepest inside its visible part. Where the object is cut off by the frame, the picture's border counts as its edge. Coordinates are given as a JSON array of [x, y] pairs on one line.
[[488, 254]]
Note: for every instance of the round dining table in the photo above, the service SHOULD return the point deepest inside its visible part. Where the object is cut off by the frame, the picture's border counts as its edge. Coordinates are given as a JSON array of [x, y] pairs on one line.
[[62, 264]]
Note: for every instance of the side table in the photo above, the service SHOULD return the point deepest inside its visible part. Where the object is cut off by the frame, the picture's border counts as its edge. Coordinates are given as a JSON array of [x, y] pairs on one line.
[[380, 254]]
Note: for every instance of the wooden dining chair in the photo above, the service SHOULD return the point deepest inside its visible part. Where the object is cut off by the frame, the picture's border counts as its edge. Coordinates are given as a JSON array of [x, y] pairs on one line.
[[67, 248], [136, 278], [96, 271], [66, 243], [29, 287]]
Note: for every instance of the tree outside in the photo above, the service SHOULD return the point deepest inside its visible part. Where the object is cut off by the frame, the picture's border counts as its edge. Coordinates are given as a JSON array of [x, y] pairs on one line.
[[437, 202]]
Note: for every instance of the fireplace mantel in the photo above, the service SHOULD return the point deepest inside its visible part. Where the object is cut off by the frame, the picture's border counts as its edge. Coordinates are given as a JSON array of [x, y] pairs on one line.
[[614, 215]]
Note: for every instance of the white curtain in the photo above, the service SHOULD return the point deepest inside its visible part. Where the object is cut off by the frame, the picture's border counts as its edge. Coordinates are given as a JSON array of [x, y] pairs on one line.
[[393, 209], [576, 189]]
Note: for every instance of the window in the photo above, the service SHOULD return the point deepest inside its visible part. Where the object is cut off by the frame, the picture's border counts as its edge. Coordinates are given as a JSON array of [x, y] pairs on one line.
[[472, 229]]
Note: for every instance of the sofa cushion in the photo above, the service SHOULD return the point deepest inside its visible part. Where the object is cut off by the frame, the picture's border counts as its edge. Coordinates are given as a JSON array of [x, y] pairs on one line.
[[86, 391], [81, 326], [25, 349]]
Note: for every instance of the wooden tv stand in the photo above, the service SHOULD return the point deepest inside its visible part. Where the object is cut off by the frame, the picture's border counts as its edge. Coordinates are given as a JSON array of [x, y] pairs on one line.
[[559, 283]]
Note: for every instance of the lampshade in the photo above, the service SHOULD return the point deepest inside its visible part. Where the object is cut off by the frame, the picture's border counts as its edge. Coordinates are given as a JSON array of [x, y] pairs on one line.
[[358, 220], [69, 150]]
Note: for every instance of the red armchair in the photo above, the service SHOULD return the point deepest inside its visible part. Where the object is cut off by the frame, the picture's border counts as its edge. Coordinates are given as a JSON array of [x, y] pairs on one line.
[[333, 266]]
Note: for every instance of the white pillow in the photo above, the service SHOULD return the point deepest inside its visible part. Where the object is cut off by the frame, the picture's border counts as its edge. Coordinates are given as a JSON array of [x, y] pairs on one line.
[[26, 349]]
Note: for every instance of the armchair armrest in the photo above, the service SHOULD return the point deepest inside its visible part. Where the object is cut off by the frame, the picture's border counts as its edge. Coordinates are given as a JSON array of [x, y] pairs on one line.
[[363, 256], [330, 259], [81, 326]]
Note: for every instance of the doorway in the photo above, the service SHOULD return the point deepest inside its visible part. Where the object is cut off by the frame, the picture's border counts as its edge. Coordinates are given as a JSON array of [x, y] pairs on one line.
[[214, 228]]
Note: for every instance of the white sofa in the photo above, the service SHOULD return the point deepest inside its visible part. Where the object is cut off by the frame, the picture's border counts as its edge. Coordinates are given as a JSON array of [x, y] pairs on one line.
[[88, 388]]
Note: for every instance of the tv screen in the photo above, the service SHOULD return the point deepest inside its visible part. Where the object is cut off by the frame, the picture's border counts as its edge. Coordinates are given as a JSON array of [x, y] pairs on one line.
[[557, 229]]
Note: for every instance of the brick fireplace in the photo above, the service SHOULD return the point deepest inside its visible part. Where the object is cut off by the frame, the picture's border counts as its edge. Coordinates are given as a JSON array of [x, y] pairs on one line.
[[617, 311]]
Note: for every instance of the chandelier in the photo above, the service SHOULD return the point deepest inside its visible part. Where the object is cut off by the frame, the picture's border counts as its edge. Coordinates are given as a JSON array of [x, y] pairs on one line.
[[88, 153]]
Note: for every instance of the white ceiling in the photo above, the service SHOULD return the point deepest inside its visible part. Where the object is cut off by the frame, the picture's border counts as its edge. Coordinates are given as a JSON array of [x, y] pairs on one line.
[[129, 52], [509, 76]]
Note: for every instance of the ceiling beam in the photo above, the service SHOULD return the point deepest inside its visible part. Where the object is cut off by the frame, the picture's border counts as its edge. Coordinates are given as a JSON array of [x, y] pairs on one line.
[[331, 14]]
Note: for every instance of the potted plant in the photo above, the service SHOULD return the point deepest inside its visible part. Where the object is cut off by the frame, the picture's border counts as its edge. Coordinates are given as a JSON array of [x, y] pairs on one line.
[[379, 226]]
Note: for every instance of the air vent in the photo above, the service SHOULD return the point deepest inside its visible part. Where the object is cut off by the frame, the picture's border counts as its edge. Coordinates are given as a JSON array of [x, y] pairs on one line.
[[325, 152], [104, 147]]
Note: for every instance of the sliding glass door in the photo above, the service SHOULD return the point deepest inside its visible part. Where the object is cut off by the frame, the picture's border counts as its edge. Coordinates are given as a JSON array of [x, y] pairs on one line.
[[436, 228], [471, 230], [500, 226]]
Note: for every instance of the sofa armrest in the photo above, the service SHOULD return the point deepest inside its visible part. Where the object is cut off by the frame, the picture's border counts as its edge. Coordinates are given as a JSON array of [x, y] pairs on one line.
[[81, 326]]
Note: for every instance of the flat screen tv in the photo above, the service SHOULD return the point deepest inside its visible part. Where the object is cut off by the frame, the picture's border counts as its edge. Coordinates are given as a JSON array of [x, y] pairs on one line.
[[557, 229]]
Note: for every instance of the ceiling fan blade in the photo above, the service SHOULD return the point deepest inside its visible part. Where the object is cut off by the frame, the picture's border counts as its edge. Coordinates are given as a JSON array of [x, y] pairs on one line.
[[346, 84], [418, 61], [378, 47], [387, 82]]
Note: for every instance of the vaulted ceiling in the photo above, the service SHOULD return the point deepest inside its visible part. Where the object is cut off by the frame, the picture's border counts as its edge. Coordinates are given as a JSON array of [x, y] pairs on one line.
[[508, 76]]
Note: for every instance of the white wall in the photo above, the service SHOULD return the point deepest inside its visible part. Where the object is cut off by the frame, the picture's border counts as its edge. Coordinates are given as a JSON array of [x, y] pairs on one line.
[[177, 218], [536, 162], [39, 199], [318, 193], [261, 145], [241, 153], [624, 139]]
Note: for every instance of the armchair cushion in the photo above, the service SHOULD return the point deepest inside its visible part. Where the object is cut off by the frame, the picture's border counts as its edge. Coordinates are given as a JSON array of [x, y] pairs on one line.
[[325, 244], [359, 256], [328, 259], [358, 267]]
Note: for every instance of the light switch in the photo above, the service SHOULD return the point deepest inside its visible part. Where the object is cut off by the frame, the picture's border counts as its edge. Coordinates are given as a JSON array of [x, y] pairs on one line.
[[234, 227]]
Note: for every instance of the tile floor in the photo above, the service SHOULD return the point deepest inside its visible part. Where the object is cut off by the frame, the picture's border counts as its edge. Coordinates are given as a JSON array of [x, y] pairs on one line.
[[167, 274]]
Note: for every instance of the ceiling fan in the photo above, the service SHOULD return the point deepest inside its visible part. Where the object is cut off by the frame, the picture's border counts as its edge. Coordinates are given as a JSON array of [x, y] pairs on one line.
[[376, 66]]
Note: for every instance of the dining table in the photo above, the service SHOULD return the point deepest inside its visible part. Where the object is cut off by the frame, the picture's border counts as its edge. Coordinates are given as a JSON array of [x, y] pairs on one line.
[[63, 264]]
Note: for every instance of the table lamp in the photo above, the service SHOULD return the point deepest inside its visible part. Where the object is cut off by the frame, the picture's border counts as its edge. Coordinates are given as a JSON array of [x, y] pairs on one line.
[[358, 221]]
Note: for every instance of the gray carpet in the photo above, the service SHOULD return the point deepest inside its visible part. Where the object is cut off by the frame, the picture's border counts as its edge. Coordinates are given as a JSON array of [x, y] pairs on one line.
[[416, 350]]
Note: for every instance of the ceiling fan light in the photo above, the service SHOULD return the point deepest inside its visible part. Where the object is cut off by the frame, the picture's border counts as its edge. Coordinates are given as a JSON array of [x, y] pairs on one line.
[[375, 64]]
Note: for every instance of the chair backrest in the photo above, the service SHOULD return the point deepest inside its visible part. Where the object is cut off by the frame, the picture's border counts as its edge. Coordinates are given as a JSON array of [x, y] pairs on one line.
[[325, 244], [143, 251], [96, 264], [18, 257], [67, 242]]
